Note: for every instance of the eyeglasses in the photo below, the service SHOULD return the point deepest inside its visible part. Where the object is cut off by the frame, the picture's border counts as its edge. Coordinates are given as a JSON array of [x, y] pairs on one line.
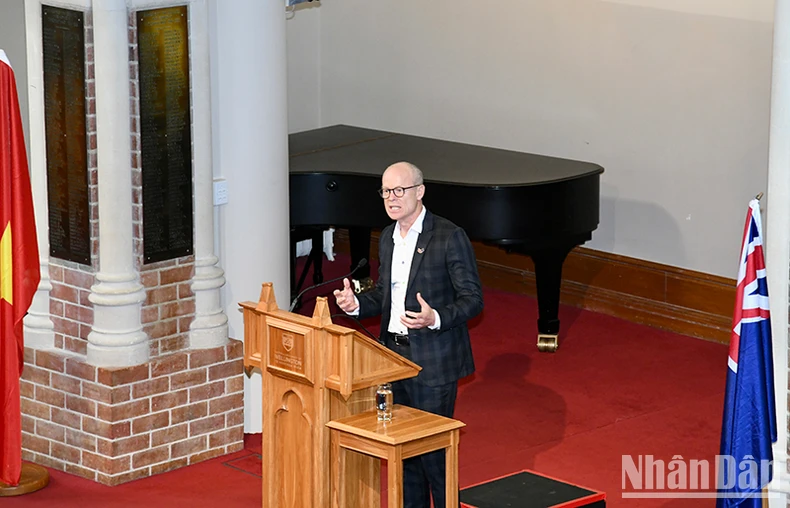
[[398, 191]]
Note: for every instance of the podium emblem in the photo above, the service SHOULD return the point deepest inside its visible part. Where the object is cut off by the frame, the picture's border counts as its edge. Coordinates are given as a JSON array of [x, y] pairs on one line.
[[288, 341]]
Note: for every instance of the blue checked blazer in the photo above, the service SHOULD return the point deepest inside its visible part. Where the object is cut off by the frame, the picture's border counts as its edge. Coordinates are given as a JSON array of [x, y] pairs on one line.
[[444, 272]]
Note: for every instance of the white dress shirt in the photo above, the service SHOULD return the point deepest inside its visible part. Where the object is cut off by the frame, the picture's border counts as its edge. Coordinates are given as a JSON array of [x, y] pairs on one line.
[[402, 255]]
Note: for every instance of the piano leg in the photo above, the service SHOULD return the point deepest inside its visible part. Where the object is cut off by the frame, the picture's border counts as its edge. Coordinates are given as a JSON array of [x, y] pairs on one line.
[[317, 254], [548, 277], [315, 258], [359, 245]]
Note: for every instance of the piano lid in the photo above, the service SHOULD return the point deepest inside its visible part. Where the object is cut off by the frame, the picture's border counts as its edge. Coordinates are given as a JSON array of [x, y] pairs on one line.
[[343, 149]]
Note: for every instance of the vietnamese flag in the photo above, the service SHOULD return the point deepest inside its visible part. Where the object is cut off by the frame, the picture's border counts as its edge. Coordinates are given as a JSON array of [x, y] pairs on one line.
[[19, 270]]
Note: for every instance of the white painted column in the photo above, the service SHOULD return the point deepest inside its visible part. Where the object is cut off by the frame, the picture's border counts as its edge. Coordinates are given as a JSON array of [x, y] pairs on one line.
[[38, 327], [210, 326], [251, 150], [777, 239], [117, 338]]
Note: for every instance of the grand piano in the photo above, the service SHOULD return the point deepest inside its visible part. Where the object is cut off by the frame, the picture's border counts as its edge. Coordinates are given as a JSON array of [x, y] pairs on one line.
[[531, 204]]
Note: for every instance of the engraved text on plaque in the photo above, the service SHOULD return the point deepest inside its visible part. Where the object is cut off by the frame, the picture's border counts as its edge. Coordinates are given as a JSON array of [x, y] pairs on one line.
[[67, 150], [165, 133]]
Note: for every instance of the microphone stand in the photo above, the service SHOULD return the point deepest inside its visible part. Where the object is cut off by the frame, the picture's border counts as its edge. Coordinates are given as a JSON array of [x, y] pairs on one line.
[[357, 321], [362, 262]]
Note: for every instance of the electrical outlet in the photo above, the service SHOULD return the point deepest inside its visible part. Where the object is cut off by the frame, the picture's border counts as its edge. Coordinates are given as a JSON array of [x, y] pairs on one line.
[[220, 192]]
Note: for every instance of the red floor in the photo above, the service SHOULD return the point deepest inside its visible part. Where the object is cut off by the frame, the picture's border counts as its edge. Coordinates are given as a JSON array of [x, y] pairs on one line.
[[613, 388]]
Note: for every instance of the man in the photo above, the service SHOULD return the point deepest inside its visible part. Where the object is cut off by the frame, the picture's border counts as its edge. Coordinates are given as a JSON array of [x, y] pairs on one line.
[[427, 289]]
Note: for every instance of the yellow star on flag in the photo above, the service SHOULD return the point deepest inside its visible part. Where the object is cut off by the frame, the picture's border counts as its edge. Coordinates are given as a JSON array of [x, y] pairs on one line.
[[6, 267]]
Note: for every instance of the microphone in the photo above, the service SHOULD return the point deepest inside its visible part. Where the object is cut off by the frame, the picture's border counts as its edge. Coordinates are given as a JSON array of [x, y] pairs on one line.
[[362, 262], [358, 322]]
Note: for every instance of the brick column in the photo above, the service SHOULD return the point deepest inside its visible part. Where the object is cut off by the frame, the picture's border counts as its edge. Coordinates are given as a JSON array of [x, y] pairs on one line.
[[130, 402]]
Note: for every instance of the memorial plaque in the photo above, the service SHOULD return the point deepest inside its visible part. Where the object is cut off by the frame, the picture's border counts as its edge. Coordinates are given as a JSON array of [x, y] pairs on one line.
[[165, 133], [67, 151]]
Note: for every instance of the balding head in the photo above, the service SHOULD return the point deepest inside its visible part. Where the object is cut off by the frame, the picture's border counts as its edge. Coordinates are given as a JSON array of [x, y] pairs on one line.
[[414, 173]]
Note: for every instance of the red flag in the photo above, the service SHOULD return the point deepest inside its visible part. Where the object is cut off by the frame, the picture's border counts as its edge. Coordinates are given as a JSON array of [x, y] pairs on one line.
[[19, 269]]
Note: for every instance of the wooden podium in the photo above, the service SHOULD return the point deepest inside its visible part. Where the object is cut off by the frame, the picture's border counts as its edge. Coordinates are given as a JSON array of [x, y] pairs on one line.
[[313, 372]]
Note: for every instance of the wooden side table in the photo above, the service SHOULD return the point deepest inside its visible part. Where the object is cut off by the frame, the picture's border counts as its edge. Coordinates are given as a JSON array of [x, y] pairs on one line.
[[410, 433]]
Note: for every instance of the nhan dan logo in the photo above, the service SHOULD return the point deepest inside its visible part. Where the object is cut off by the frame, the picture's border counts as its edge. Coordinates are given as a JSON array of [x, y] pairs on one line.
[[644, 476]]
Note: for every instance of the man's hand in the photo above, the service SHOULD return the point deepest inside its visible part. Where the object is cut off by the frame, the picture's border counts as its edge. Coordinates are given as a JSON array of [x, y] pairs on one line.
[[345, 298], [419, 320]]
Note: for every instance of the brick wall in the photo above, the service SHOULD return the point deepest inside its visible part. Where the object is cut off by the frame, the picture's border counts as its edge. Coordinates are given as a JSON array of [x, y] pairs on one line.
[[169, 306], [118, 425]]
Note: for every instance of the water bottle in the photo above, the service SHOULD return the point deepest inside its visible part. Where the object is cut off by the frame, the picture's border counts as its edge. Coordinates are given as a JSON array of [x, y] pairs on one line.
[[384, 402]]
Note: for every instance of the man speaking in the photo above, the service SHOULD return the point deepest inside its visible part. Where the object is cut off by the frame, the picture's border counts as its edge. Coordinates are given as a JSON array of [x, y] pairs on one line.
[[427, 289]]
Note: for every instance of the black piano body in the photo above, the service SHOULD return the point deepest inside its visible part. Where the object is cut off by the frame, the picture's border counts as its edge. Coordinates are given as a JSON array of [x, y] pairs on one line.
[[536, 205]]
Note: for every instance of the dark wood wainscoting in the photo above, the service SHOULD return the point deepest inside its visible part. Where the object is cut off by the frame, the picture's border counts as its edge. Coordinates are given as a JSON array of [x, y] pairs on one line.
[[682, 301]]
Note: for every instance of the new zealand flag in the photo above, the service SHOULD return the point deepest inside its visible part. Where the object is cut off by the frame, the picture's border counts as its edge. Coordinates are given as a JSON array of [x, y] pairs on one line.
[[749, 424]]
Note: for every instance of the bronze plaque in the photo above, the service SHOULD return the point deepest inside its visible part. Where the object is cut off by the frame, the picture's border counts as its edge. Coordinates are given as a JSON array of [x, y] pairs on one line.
[[165, 133], [67, 149]]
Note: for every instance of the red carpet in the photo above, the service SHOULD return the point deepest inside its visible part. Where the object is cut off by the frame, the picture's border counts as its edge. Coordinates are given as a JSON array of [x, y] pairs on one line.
[[205, 485], [612, 388]]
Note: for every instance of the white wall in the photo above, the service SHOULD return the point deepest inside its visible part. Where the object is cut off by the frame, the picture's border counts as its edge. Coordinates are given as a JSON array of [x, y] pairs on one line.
[[250, 150], [12, 41], [671, 97], [303, 36]]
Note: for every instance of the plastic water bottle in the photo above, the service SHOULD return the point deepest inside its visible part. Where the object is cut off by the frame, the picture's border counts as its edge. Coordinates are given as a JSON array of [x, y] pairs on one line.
[[384, 402]]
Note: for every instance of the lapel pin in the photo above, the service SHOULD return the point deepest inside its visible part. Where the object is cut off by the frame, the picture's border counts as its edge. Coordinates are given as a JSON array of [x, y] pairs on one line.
[[420, 250]]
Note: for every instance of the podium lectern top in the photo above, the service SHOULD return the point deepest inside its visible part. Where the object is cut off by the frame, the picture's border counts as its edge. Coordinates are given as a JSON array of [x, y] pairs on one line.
[[349, 360]]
